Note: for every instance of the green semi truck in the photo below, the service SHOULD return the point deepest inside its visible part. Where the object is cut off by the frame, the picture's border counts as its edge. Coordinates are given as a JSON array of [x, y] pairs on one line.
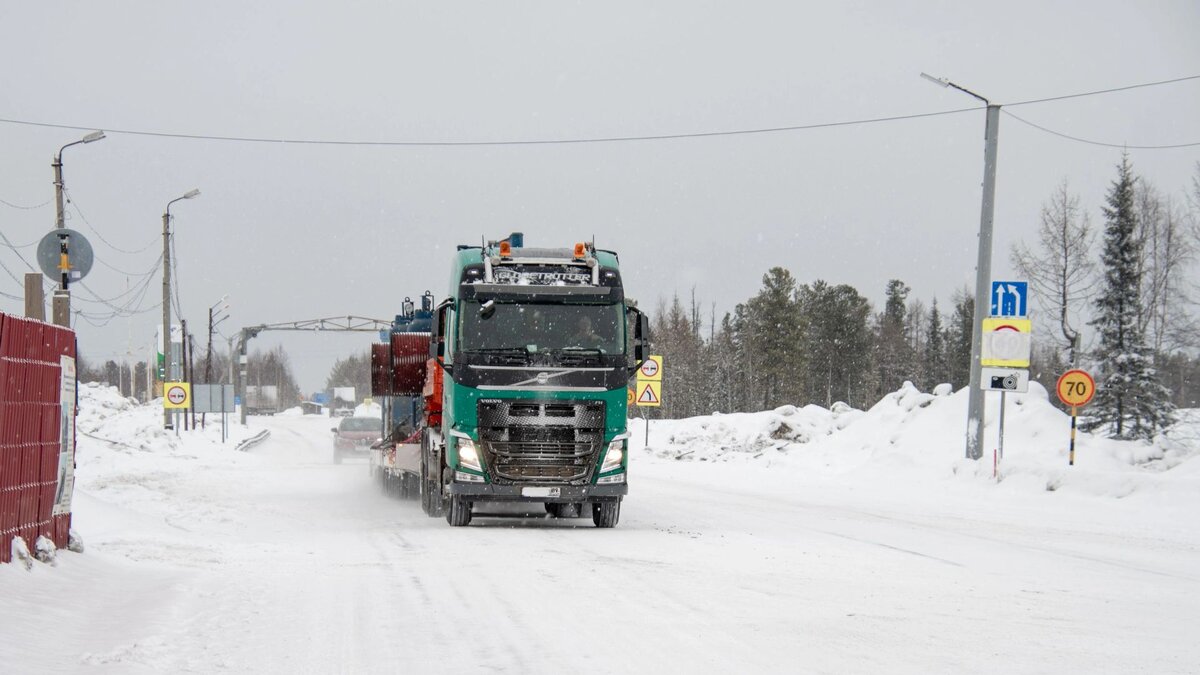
[[525, 401]]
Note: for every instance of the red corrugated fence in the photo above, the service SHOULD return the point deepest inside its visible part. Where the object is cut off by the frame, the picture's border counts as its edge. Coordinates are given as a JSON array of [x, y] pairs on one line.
[[31, 426]]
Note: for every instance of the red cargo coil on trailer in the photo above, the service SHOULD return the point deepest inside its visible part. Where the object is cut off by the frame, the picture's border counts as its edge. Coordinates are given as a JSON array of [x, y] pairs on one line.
[[409, 353], [35, 490], [381, 370]]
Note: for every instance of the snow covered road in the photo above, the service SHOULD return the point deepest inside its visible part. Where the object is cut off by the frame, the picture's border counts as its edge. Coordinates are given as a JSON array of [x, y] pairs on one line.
[[277, 560]]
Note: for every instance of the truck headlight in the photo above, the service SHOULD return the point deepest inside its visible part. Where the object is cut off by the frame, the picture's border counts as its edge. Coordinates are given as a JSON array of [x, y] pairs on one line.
[[613, 455], [468, 456]]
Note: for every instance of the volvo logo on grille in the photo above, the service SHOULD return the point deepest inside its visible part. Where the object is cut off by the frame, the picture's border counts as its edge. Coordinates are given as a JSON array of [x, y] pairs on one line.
[[543, 378]]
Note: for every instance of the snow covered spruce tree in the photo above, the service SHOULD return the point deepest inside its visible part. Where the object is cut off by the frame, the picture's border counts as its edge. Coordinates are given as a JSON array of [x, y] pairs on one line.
[[933, 352], [1130, 403], [774, 331], [894, 356], [836, 343]]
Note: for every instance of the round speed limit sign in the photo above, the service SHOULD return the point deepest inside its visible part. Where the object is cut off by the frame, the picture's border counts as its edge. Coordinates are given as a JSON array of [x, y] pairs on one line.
[[1076, 388]]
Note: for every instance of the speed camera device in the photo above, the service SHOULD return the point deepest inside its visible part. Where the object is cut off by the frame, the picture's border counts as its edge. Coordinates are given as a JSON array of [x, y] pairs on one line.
[[1005, 379]]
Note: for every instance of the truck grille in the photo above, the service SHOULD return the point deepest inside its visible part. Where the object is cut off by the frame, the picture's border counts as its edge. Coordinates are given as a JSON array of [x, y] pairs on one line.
[[541, 441]]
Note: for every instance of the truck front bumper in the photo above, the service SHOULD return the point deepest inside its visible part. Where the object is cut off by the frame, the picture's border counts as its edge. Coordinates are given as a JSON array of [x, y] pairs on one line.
[[541, 493]]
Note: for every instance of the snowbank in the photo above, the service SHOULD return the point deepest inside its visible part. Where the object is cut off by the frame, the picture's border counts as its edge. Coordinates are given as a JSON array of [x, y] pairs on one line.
[[124, 455], [915, 437]]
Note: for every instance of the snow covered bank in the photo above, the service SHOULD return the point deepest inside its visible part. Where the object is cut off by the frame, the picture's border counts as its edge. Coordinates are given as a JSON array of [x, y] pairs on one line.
[[911, 437]]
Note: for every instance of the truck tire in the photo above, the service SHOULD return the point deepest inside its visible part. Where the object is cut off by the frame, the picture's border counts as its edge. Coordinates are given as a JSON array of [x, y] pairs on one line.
[[606, 514], [459, 513], [432, 502]]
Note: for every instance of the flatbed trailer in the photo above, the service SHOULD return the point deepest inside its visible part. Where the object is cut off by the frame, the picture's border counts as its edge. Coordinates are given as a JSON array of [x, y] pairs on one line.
[[397, 467]]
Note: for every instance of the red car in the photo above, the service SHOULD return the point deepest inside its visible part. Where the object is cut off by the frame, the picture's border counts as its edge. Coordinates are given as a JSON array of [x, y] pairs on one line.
[[354, 436]]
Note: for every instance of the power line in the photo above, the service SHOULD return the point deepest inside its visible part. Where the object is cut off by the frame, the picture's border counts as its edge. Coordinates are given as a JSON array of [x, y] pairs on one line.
[[552, 141], [139, 289], [75, 205], [568, 141], [25, 208], [1100, 143], [1103, 91], [8, 244]]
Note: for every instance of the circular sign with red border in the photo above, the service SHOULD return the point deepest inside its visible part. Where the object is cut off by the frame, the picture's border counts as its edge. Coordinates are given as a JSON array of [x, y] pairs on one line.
[[1076, 388], [177, 395], [649, 369]]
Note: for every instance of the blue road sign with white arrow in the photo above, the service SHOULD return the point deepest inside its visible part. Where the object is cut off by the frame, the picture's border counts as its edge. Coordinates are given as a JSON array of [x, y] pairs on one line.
[[1010, 298]]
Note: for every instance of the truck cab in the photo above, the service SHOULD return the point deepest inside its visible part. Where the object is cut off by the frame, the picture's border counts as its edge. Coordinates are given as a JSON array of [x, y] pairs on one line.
[[537, 348]]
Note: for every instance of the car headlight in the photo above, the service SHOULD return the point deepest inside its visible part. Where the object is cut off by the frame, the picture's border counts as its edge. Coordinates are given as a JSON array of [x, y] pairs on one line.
[[614, 454], [468, 455]]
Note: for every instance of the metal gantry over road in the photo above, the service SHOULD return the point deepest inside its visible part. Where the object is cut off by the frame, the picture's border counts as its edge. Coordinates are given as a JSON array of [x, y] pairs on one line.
[[354, 324]]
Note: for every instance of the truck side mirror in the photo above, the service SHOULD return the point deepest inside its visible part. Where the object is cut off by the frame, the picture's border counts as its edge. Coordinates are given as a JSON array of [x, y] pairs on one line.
[[437, 342], [639, 334]]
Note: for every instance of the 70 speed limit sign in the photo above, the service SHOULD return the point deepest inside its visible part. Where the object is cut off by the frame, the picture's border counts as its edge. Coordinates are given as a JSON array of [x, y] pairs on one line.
[[1076, 388]]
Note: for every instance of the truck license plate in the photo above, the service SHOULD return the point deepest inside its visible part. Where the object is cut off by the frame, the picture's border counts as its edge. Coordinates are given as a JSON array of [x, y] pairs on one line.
[[541, 492]]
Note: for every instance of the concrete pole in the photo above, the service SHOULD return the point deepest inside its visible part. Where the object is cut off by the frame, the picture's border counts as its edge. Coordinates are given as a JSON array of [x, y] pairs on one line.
[[166, 308], [61, 308], [983, 277], [59, 218], [35, 297], [241, 373], [61, 300], [183, 362]]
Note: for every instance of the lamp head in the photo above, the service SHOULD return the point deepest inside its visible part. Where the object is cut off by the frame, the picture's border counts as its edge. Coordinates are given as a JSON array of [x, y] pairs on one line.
[[191, 193], [940, 81], [94, 136]]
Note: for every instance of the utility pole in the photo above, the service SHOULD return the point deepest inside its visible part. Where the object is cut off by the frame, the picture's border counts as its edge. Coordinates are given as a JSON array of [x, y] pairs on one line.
[[191, 368], [166, 307], [183, 361], [208, 355], [166, 300], [60, 303], [241, 371], [983, 268]]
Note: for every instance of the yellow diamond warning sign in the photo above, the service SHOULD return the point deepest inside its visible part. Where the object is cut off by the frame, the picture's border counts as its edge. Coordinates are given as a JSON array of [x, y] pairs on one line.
[[649, 393]]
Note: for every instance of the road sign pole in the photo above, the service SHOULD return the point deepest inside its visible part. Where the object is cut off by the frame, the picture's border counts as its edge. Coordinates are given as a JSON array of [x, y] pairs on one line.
[[646, 419], [1074, 410], [1002, 396]]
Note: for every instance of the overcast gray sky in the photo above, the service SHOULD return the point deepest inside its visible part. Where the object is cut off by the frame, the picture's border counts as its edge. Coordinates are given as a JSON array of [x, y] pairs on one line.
[[294, 232]]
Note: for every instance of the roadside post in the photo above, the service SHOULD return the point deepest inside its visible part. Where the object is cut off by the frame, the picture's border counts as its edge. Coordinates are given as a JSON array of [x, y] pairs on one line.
[[1076, 389], [1005, 349], [648, 392]]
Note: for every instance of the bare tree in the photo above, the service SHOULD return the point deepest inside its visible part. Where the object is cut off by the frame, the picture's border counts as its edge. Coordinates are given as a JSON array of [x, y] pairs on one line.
[[1059, 267], [1166, 252]]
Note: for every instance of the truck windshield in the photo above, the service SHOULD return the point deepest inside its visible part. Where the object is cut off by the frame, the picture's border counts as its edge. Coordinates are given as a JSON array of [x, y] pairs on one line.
[[539, 327]]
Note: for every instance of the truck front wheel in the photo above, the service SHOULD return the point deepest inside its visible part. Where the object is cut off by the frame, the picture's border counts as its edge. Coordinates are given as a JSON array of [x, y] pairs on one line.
[[459, 513], [606, 514]]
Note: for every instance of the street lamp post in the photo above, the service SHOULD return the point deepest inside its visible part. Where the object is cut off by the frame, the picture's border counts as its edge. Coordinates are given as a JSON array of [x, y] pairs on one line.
[[166, 300], [983, 267], [61, 302]]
